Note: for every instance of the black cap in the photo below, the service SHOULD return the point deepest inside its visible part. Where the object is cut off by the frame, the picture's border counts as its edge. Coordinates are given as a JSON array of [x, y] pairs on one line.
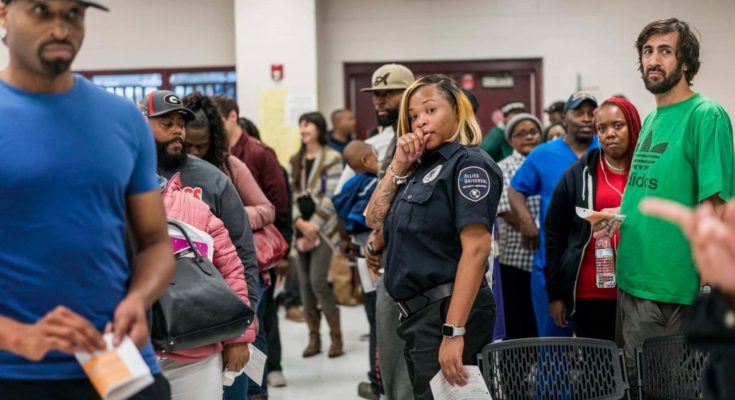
[[557, 106], [472, 98], [92, 4], [161, 102]]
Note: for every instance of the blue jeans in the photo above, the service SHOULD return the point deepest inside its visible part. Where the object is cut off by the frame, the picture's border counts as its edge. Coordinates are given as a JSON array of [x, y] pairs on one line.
[[240, 389], [261, 343]]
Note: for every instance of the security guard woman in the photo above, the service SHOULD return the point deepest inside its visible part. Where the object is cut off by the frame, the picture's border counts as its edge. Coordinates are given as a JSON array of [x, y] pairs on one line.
[[436, 206]]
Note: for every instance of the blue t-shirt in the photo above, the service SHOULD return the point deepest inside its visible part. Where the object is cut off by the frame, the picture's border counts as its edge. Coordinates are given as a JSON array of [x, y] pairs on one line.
[[335, 144], [539, 175], [69, 161]]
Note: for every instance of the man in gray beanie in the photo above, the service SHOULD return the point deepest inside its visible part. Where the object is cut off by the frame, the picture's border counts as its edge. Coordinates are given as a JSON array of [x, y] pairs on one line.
[[523, 132]]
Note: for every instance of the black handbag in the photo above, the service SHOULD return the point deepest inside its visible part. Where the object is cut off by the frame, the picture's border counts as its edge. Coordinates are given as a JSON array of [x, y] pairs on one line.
[[198, 308], [307, 206]]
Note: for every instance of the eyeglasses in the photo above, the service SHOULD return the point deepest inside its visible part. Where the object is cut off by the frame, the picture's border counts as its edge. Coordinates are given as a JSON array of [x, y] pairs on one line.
[[523, 134]]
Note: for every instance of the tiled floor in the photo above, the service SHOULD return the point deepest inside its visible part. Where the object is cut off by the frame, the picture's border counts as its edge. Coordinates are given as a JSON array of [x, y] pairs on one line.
[[320, 377]]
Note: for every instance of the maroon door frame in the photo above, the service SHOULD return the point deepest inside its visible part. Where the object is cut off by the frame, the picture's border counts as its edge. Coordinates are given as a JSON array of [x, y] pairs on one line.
[[532, 66]]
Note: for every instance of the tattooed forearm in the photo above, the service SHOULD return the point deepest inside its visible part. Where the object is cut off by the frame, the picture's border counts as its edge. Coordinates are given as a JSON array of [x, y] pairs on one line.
[[380, 203]]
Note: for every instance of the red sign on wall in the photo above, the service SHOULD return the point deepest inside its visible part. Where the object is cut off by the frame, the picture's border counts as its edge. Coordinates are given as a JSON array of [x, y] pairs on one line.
[[468, 81], [277, 72]]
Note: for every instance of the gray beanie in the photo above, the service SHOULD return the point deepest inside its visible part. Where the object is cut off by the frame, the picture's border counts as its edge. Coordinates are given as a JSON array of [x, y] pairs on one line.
[[519, 118]]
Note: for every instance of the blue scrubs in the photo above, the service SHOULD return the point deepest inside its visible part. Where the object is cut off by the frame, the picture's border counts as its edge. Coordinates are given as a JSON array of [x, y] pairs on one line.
[[539, 175]]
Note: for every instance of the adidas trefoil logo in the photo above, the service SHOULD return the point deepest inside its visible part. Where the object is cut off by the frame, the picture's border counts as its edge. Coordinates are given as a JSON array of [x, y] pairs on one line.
[[646, 156]]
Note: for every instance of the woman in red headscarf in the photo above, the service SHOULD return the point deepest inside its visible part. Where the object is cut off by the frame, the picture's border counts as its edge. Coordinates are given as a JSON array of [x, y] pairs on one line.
[[596, 182]]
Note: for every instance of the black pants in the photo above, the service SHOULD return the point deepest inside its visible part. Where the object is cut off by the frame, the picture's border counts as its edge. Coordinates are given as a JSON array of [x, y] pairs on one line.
[[595, 319], [73, 389], [369, 299], [270, 324], [423, 336], [520, 320], [291, 297]]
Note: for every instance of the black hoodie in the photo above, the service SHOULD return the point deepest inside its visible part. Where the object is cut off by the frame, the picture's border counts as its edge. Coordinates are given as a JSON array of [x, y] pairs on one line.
[[567, 235]]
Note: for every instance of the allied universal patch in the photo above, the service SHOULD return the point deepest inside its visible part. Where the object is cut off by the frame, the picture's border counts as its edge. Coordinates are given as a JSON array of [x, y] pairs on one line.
[[433, 174], [473, 183]]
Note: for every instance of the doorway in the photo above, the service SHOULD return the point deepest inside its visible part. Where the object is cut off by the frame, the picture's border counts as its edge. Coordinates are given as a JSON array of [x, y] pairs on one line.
[[493, 82]]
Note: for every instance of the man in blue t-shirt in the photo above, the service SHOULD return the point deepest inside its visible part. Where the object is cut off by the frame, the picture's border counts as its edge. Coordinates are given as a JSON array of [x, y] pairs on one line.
[[539, 175], [79, 164], [343, 129]]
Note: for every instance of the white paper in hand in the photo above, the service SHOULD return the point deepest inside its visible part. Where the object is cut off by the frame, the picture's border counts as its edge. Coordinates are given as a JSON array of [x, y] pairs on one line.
[[255, 367], [279, 287], [365, 278], [596, 216], [475, 389], [117, 372]]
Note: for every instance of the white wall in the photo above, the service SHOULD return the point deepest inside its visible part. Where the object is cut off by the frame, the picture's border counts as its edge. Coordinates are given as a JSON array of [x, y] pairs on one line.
[[276, 32], [591, 38], [157, 33]]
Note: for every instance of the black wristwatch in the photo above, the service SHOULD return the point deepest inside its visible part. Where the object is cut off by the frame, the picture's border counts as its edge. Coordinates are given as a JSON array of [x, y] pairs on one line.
[[451, 331], [372, 251]]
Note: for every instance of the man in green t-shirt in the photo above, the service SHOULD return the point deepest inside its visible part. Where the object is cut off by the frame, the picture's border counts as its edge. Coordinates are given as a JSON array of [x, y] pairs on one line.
[[684, 154], [495, 142]]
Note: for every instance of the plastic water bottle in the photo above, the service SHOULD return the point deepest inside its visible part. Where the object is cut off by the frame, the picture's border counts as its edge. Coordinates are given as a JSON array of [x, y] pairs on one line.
[[604, 264]]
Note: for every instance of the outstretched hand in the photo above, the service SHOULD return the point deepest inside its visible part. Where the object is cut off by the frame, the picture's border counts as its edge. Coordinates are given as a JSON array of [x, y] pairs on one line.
[[712, 238]]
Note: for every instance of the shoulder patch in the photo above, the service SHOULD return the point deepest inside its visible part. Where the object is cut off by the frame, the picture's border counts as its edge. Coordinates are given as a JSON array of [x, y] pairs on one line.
[[433, 174], [473, 183]]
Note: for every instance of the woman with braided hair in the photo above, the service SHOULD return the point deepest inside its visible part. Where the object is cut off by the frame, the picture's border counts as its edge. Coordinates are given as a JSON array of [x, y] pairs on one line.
[[206, 138], [597, 182]]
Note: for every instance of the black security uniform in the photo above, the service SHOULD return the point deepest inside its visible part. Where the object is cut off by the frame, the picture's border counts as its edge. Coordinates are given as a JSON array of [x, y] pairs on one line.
[[453, 186]]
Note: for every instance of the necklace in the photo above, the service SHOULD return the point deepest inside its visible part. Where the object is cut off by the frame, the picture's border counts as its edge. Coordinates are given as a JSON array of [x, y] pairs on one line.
[[614, 169], [604, 175]]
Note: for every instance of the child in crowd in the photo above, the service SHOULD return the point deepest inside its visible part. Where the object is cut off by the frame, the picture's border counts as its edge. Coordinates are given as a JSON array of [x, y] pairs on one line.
[[352, 200], [350, 204]]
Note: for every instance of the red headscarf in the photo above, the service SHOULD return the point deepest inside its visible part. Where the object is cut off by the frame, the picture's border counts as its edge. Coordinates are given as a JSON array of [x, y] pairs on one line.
[[632, 119]]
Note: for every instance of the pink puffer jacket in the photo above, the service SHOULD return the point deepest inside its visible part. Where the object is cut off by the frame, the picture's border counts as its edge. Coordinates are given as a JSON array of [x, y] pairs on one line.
[[188, 209]]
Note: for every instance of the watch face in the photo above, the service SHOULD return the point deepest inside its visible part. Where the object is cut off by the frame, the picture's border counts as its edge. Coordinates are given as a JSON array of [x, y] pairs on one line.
[[447, 330]]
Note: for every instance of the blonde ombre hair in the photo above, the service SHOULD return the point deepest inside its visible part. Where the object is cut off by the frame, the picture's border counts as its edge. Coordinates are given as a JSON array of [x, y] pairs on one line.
[[468, 130]]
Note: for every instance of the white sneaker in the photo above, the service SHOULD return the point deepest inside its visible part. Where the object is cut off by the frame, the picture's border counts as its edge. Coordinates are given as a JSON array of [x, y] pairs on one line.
[[276, 379]]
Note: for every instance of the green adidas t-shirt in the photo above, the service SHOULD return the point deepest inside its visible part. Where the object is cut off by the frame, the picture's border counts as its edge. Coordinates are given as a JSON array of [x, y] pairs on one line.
[[684, 154]]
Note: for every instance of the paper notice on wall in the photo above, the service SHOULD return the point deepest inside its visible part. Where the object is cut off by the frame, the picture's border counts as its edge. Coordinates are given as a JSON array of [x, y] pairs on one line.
[[274, 132], [297, 105], [475, 389], [116, 372]]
